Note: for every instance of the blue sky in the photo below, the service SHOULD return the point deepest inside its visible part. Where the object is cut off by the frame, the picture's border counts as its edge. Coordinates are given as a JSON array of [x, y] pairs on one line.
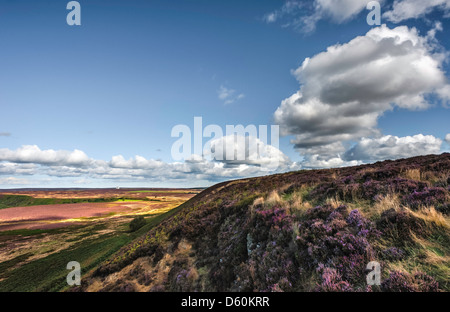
[[116, 85]]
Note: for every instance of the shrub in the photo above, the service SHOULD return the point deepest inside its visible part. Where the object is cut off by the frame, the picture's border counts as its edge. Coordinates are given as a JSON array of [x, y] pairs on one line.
[[331, 281], [399, 225], [392, 254], [405, 282], [433, 196], [137, 223]]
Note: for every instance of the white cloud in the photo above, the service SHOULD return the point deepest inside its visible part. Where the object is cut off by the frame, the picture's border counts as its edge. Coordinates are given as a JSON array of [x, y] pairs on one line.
[[345, 89], [290, 7], [393, 147], [304, 16], [229, 96], [31, 160], [138, 162], [444, 94], [413, 9], [315, 162], [248, 150], [20, 169], [271, 17], [340, 10], [447, 138], [13, 181], [32, 154]]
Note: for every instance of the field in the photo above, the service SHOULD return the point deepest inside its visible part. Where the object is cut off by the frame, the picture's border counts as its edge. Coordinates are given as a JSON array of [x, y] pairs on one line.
[[42, 230]]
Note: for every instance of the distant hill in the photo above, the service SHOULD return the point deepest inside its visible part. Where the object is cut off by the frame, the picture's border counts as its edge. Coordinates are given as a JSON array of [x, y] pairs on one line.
[[312, 230]]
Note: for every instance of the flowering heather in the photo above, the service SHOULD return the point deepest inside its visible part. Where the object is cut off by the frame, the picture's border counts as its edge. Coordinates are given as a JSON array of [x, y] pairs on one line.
[[331, 281], [405, 282], [261, 234], [392, 254], [433, 196], [400, 225]]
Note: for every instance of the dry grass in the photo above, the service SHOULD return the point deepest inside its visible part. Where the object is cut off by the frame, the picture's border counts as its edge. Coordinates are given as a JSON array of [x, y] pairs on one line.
[[429, 249], [296, 200], [390, 201], [430, 215], [334, 202], [193, 274], [273, 199], [297, 204], [366, 170], [228, 185], [258, 202], [413, 174], [334, 175], [434, 178], [144, 265]]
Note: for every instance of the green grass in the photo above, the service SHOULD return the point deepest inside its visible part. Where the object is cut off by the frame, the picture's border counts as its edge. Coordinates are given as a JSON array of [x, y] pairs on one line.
[[8, 201], [27, 232], [5, 265], [49, 273]]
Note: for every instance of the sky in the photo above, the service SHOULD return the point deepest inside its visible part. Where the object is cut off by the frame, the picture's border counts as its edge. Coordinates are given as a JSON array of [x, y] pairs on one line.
[[94, 105]]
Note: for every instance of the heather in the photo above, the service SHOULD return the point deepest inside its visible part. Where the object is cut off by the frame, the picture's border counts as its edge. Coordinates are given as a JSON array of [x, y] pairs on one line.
[[312, 230]]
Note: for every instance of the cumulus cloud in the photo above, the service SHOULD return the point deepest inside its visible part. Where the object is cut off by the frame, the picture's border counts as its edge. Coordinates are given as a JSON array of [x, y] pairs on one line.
[[316, 161], [229, 96], [19, 169], [393, 147], [413, 9], [31, 160], [447, 138], [32, 154], [138, 162], [345, 89], [444, 93], [236, 150], [304, 15]]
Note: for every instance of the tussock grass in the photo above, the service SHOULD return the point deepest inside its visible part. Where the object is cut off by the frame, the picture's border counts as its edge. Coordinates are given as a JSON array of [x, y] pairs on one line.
[[431, 216], [429, 255], [437, 178], [334, 202], [413, 174], [297, 202], [298, 205], [273, 199], [390, 201]]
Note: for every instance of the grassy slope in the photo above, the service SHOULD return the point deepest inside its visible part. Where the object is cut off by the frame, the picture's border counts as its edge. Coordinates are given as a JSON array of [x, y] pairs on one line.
[[49, 273], [305, 231]]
